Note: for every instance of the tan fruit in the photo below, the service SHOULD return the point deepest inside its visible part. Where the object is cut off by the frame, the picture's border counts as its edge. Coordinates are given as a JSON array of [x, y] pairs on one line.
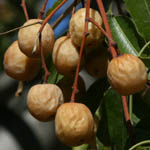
[[127, 74], [66, 86], [28, 35], [96, 62], [74, 124], [43, 101], [76, 27], [65, 56], [19, 66]]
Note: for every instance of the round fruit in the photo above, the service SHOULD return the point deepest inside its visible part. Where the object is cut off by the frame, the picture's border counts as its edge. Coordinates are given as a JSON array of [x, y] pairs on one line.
[[96, 62], [74, 124], [65, 56], [127, 74], [76, 27], [43, 101], [19, 66], [66, 86], [28, 35]]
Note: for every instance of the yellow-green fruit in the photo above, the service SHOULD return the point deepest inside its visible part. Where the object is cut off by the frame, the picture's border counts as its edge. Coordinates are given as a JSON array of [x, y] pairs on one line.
[[43, 101], [96, 62], [19, 66], [66, 86], [74, 124], [127, 74], [76, 27], [65, 56], [28, 35]]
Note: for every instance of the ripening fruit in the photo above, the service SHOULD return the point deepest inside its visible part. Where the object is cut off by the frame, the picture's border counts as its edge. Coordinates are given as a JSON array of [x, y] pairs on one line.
[[76, 27], [127, 74], [96, 62], [43, 101], [19, 66], [65, 56], [66, 84], [74, 124], [28, 35]]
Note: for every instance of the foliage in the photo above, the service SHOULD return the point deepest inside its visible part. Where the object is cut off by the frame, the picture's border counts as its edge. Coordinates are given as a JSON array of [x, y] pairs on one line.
[[131, 32]]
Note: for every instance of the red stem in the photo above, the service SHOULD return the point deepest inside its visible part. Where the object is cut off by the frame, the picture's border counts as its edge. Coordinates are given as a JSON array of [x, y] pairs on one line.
[[114, 54], [50, 15], [47, 73], [105, 20], [23, 4], [100, 28], [42, 9], [75, 85], [127, 118]]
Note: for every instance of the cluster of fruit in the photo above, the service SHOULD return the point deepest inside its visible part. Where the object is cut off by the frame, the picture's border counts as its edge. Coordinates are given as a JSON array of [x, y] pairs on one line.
[[74, 122]]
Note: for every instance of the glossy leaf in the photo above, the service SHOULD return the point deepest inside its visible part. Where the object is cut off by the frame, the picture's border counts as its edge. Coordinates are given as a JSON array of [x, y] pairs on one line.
[[124, 34], [112, 127], [54, 75], [95, 94], [140, 13]]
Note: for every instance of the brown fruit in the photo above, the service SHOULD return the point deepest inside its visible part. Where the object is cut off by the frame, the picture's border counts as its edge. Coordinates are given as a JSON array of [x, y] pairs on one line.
[[66, 86], [74, 124], [76, 27], [28, 35], [65, 56], [43, 101], [127, 74], [19, 66]]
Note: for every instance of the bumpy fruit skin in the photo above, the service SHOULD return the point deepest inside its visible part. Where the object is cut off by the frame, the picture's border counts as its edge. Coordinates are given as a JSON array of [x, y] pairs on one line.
[[65, 85], [19, 66], [96, 62], [65, 56], [43, 101], [74, 124], [76, 27], [28, 35], [127, 74]]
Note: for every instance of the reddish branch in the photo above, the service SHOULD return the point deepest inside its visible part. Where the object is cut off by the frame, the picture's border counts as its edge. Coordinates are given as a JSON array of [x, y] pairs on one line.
[[50, 15], [127, 118], [100, 28], [47, 73], [75, 85], [105, 20], [42, 9], [23, 4], [114, 54]]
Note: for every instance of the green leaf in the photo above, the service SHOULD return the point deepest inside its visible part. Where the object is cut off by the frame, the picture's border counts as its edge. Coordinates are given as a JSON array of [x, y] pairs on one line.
[[140, 13], [141, 105], [124, 34], [112, 128], [95, 94], [54, 75], [142, 130]]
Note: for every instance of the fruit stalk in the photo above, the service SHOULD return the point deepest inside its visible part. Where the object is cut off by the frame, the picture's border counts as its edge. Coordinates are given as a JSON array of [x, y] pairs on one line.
[[50, 15], [128, 122], [47, 73], [105, 20], [100, 28], [42, 10], [114, 54], [23, 4], [85, 34]]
